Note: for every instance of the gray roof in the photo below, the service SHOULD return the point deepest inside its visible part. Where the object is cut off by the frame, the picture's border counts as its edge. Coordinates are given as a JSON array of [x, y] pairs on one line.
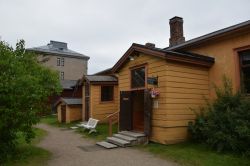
[[106, 71], [101, 78], [68, 84], [72, 101], [212, 35], [58, 48]]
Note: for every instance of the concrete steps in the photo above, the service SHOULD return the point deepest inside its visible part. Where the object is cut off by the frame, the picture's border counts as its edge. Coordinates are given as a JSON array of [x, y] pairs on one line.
[[117, 141], [124, 139], [106, 145]]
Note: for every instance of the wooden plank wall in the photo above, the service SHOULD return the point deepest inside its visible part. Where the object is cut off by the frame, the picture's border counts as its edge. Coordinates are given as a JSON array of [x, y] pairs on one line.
[[100, 110], [186, 87], [75, 112], [181, 87]]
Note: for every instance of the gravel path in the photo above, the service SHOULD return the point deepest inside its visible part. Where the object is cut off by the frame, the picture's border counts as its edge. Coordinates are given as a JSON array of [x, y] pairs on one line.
[[70, 149]]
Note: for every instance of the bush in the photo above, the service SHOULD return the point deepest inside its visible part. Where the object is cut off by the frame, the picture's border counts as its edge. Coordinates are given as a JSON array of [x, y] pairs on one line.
[[224, 124], [24, 89]]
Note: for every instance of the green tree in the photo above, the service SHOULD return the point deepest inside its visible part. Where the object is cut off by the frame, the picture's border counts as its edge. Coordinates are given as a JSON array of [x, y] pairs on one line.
[[25, 86]]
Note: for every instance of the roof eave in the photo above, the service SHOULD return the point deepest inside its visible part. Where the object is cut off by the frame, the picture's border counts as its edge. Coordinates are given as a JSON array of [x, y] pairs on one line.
[[208, 62], [198, 62], [61, 54]]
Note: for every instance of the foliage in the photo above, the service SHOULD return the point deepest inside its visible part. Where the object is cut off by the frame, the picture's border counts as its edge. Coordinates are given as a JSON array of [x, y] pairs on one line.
[[24, 90], [29, 154], [224, 124]]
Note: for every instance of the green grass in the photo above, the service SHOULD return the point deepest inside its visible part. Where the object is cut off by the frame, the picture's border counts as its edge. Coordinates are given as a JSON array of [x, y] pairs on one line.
[[195, 154], [29, 154], [101, 134]]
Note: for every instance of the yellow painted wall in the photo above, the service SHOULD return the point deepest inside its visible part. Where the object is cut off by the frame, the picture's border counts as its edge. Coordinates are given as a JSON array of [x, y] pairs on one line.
[[223, 51], [100, 110], [75, 112], [186, 87], [181, 87], [59, 115]]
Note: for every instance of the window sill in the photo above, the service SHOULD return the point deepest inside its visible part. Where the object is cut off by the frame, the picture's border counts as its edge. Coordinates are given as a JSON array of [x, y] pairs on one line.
[[133, 89], [106, 102]]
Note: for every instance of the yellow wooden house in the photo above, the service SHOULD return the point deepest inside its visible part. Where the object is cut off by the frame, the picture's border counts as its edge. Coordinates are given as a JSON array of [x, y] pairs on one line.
[[158, 86]]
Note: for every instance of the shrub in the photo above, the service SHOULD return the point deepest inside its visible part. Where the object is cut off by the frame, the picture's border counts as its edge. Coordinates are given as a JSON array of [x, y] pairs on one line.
[[24, 89], [224, 124]]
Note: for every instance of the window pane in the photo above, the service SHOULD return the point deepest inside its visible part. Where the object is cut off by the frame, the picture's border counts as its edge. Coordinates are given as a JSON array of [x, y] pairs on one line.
[[245, 68], [246, 79], [138, 78], [62, 61], [245, 57], [107, 93], [58, 61], [62, 75]]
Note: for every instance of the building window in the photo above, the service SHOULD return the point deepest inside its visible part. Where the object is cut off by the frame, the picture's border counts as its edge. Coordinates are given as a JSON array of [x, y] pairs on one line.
[[138, 78], [62, 61], [107, 93], [58, 62], [62, 75], [245, 70]]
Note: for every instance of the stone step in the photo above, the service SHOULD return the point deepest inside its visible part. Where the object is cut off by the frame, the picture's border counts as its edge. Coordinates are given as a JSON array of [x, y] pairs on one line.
[[118, 141], [106, 145], [132, 134], [124, 137]]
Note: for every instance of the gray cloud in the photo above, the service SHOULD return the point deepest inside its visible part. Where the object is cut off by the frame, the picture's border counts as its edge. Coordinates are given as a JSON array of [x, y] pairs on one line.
[[104, 30]]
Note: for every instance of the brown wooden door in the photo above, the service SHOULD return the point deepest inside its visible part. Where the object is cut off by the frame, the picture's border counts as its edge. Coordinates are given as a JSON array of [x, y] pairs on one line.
[[147, 112], [125, 116], [63, 113], [138, 110]]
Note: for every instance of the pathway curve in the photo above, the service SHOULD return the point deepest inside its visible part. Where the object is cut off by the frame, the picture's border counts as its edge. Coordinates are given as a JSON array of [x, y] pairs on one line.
[[70, 149]]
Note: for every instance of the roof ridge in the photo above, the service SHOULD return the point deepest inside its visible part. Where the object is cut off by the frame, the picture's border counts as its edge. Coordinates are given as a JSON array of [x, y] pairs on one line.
[[210, 35]]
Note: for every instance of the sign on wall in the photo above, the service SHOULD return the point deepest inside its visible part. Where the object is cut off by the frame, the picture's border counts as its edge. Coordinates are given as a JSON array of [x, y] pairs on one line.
[[152, 80]]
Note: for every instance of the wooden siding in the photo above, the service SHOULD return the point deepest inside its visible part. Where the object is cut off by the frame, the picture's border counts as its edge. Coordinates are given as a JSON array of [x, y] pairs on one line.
[[186, 87], [181, 87], [100, 110], [59, 115], [74, 113], [224, 51]]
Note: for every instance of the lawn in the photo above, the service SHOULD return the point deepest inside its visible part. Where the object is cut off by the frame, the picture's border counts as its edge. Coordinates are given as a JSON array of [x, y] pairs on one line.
[[195, 154], [101, 134], [29, 154]]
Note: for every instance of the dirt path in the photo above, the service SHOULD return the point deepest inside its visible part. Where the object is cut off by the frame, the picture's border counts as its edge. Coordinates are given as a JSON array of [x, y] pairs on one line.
[[70, 149]]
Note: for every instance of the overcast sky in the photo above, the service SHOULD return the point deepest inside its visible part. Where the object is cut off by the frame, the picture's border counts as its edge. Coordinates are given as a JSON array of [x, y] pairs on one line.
[[105, 29]]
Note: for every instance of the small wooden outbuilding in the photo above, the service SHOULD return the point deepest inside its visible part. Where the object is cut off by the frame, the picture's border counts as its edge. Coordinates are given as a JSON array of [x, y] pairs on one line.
[[69, 109], [99, 97]]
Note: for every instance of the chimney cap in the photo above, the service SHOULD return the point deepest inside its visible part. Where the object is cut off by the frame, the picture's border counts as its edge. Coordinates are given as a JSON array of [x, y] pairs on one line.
[[176, 18]]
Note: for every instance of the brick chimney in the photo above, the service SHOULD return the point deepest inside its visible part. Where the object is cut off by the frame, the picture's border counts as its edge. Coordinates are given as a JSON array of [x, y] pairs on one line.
[[176, 31], [150, 45]]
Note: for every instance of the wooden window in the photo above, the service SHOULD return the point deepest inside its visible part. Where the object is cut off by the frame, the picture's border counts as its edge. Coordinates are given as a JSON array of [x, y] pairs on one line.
[[107, 93], [245, 70], [62, 75], [138, 78], [58, 61], [62, 61]]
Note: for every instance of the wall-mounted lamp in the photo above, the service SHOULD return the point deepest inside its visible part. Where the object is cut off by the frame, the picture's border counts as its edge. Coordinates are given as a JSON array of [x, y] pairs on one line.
[[131, 58]]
